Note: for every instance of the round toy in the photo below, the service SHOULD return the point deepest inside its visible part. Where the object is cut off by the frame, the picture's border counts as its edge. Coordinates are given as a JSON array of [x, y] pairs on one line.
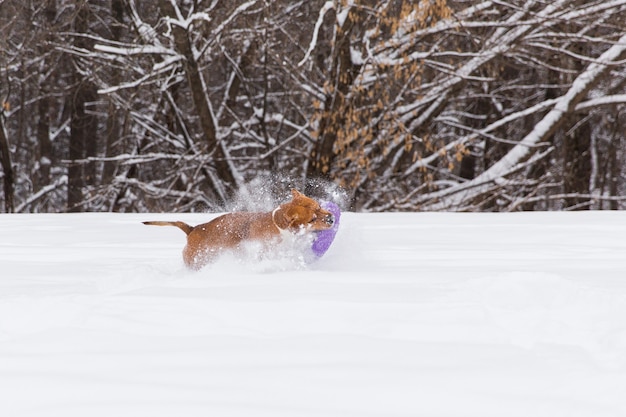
[[324, 238]]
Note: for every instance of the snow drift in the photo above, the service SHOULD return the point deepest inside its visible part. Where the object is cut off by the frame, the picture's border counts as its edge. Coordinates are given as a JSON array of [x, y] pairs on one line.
[[407, 314]]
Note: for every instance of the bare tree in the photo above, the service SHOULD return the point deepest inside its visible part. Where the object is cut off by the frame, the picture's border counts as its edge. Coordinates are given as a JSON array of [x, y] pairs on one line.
[[431, 105], [226, 107], [437, 115]]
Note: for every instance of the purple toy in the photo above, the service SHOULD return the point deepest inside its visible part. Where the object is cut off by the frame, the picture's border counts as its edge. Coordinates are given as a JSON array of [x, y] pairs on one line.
[[325, 238]]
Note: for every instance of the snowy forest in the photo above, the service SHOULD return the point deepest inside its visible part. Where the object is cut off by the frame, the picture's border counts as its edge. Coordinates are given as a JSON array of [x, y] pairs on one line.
[[429, 105]]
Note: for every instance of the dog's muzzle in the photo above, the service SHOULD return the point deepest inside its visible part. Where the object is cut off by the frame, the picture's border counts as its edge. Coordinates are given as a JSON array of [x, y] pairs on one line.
[[329, 220]]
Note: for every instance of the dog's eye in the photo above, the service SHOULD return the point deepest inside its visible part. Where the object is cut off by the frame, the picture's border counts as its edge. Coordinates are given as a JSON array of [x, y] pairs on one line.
[[313, 219]]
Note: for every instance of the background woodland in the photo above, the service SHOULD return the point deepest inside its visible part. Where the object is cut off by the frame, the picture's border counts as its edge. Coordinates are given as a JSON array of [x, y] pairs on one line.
[[142, 105]]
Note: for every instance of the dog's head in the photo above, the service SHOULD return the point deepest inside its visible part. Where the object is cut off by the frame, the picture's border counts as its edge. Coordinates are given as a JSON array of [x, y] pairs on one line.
[[302, 213]]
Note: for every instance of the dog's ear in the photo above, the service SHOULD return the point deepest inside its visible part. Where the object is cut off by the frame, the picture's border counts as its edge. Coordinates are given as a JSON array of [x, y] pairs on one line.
[[296, 194]]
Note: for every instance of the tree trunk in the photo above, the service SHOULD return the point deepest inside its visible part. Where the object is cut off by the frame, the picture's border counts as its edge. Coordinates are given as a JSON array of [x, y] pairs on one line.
[[5, 160], [45, 145], [615, 173], [203, 108], [342, 73], [113, 128], [83, 126], [75, 182], [577, 166], [46, 153]]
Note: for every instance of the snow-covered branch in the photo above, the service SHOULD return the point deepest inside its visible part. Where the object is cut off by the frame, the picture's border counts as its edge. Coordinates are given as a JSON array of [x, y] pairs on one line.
[[329, 5], [451, 197], [487, 105], [58, 183]]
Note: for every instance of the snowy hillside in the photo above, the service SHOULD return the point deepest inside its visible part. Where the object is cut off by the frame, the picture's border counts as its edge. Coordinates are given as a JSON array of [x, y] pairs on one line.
[[407, 315]]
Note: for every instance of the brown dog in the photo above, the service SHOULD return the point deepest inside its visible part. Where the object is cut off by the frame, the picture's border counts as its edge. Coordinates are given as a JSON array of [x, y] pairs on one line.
[[205, 241]]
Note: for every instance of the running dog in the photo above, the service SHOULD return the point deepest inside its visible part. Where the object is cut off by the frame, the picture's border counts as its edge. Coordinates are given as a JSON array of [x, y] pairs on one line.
[[229, 231]]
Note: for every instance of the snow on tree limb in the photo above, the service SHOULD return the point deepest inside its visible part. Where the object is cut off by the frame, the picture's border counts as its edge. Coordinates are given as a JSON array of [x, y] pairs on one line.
[[499, 42], [134, 50], [58, 183], [240, 9], [453, 196], [325, 8], [601, 101], [406, 104]]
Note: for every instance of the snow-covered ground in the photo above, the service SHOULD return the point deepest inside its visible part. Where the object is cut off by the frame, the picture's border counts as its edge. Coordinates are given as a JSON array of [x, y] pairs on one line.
[[407, 315]]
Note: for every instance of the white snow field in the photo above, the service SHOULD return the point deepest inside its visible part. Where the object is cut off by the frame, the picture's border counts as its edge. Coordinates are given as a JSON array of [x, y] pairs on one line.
[[420, 314]]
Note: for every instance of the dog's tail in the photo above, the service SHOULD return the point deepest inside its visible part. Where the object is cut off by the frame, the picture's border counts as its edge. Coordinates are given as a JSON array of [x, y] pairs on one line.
[[181, 225]]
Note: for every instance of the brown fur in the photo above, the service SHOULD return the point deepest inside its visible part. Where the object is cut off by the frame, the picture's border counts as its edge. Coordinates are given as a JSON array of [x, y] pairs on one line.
[[205, 241]]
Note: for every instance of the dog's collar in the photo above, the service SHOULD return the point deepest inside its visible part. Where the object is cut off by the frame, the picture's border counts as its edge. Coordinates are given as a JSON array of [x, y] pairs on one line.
[[274, 220]]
